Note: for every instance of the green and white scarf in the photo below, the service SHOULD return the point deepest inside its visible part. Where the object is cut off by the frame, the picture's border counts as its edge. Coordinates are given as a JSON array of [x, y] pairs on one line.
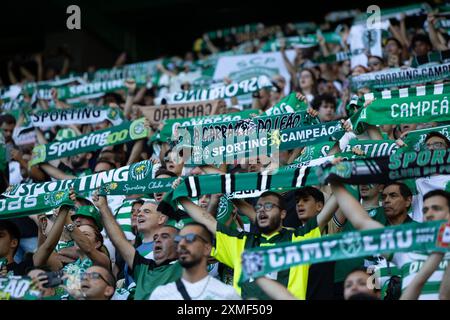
[[249, 144], [147, 185], [279, 180], [371, 148], [85, 185], [412, 105], [222, 92], [157, 114], [428, 236], [288, 104], [396, 12], [84, 115], [432, 56], [30, 205], [401, 77], [95, 88], [171, 125], [415, 139], [398, 166], [222, 130], [18, 288], [135, 70], [306, 41], [123, 133]]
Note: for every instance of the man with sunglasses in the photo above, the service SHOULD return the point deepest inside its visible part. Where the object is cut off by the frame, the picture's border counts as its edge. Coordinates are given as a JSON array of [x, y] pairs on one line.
[[268, 215], [194, 248]]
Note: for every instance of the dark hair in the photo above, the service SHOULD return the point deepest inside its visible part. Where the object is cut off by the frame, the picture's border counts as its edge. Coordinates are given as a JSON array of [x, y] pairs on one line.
[[437, 192], [13, 231], [404, 189], [376, 57], [314, 79], [100, 160], [209, 235], [310, 191], [420, 37], [7, 118], [437, 134], [162, 171], [280, 198], [328, 98], [396, 41]]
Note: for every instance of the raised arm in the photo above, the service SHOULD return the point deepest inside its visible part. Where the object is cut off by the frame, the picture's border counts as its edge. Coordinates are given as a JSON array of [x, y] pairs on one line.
[[83, 242], [444, 290], [44, 251], [274, 289], [130, 84], [327, 212], [55, 172], [352, 209], [412, 291], [199, 215], [113, 229]]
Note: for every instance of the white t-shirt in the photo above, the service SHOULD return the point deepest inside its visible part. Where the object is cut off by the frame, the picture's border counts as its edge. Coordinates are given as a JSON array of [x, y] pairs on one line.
[[423, 186], [208, 288]]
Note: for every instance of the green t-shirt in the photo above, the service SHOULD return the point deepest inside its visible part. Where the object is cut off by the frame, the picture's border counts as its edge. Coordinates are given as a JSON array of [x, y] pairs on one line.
[[343, 267], [148, 275]]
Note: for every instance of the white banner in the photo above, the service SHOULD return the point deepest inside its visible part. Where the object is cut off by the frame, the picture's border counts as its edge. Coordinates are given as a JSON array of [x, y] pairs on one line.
[[250, 65]]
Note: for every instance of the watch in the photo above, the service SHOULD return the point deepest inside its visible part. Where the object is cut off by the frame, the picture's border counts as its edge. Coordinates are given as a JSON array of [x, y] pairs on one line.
[[69, 227]]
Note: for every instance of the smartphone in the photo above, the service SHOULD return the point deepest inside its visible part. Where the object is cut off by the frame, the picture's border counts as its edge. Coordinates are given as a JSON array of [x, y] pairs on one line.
[[54, 279]]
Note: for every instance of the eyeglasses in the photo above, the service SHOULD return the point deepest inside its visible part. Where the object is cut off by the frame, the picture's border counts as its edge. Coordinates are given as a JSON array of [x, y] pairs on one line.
[[436, 145], [190, 238], [95, 276], [373, 63], [267, 206]]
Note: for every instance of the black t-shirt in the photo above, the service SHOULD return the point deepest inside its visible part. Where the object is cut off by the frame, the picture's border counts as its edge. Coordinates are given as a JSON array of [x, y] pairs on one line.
[[20, 269]]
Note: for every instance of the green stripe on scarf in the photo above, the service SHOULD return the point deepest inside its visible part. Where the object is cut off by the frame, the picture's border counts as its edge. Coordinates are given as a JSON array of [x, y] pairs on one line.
[[30, 205], [80, 115], [418, 105], [409, 237], [99, 87], [398, 166], [432, 56], [171, 125], [123, 133], [85, 185], [415, 139], [18, 288], [288, 104], [250, 143], [222, 92], [280, 180], [401, 77], [220, 130]]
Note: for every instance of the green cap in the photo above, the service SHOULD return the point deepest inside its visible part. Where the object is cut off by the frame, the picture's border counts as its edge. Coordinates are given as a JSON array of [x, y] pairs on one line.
[[178, 224], [90, 212]]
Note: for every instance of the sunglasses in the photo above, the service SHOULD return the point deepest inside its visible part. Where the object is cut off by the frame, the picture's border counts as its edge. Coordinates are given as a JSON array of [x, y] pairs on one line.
[[95, 276], [267, 206], [190, 238]]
